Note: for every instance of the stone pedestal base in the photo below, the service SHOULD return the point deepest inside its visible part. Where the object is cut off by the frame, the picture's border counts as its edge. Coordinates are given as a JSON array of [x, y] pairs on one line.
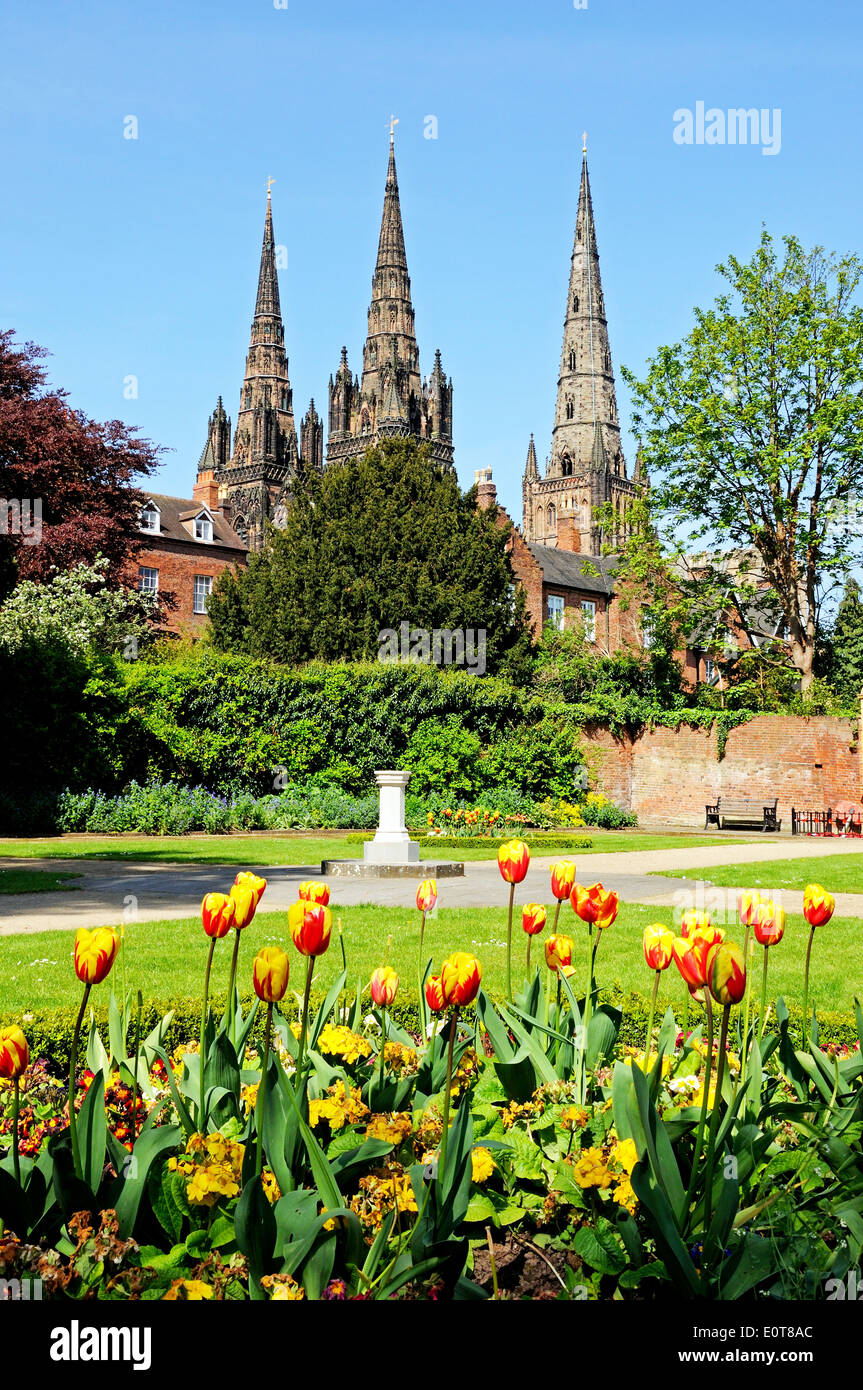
[[359, 868]]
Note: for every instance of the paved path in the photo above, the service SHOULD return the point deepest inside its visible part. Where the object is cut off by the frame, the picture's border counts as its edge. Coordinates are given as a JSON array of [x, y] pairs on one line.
[[108, 892]]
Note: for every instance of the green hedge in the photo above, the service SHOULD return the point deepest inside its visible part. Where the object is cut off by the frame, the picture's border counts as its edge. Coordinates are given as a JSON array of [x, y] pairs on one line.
[[546, 840], [50, 1033]]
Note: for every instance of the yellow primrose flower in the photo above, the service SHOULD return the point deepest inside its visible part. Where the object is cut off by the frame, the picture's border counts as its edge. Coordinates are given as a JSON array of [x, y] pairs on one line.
[[191, 1290], [482, 1165]]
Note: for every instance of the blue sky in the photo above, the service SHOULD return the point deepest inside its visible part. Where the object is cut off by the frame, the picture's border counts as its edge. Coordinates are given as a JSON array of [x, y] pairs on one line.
[[139, 257]]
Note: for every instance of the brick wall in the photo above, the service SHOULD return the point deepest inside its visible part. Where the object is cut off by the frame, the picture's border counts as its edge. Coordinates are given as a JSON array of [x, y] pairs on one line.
[[670, 774], [177, 564]]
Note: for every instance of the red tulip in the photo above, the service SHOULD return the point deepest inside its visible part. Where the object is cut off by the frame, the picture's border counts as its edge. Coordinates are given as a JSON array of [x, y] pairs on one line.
[[558, 952], [727, 973], [310, 927], [562, 878], [594, 904], [690, 957], [313, 891], [769, 927], [434, 994], [513, 859], [533, 918], [460, 978], [384, 984], [217, 915], [95, 952]]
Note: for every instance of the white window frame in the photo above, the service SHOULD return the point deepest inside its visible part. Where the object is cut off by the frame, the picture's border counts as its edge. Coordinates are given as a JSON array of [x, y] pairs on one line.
[[588, 618], [200, 579], [150, 510], [556, 608], [145, 574], [203, 527]]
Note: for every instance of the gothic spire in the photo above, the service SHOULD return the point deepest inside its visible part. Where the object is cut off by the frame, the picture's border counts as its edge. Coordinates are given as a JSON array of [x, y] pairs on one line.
[[391, 243], [531, 468], [267, 302]]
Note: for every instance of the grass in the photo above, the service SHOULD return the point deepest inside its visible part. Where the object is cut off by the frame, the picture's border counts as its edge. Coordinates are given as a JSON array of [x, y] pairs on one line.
[[840, 873], [266, 850], [35, 881], [166, 959]]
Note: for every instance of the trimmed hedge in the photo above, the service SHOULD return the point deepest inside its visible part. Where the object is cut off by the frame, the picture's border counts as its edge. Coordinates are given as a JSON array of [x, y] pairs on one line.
[[534, 839]]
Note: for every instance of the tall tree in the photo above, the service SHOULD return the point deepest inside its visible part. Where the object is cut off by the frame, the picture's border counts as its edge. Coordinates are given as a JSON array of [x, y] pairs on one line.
[[369, 544], [846, 644], [80, 473], [753, 426]]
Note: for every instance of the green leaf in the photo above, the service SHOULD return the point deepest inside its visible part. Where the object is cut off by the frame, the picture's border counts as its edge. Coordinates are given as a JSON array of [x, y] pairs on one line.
[[600, 1249], [150, 1147], [93, 1132]]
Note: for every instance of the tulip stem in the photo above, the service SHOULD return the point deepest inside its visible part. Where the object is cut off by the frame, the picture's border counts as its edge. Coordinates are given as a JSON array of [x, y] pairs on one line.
[[556, 915], [202, 1050], [648, 1043], [699, 1140], [806, 989], [509, 944], [231, 978], [744, 1051], [137, 1060], [304, 1022], [16, 1110], [529, 939], [261, 1102], [714, 1118], [73, 1066], [762, 1012], [453, 1028], [383, 1048]]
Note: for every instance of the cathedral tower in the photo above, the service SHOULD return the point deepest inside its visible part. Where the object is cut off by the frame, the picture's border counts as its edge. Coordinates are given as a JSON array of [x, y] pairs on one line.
[[586, 467], [391, 399]]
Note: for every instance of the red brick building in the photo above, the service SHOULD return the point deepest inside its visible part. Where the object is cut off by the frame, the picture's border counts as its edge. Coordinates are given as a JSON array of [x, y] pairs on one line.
[[187, 545]]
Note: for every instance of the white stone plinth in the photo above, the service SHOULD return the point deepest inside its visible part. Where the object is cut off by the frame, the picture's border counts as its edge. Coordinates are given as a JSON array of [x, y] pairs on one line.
[[392, 843]]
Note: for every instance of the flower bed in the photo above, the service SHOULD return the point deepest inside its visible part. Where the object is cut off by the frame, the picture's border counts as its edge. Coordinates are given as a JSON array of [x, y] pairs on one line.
[[353, 1150]]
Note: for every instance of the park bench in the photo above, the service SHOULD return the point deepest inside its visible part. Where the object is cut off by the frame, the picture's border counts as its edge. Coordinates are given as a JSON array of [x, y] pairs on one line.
[[743, 811]]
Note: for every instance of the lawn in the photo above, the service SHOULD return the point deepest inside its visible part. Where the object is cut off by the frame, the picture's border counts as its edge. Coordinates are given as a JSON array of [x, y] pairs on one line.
[[166, 959], [842, 873], [265, 850], [35, 881]]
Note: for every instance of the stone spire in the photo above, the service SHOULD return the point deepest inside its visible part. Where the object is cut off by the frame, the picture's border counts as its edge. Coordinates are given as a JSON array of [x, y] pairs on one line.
[[267, 303], [390, 399], [531, 468], [585, 392]]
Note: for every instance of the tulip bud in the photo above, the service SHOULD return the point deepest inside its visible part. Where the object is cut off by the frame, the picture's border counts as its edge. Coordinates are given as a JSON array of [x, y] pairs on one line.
[[727, 973], [257, 885], [769, 927], [690, 957], [748, 905], [434, 994], [245, 903], [14, 1053], [426, 895], [313, 891], [513, 859], [217, 915], [384, 984], [533, 918], [558, 952], [460, 979], [562, 878], [94, 954], [310, 926], [270, 973], [818, 905], [658, 946]]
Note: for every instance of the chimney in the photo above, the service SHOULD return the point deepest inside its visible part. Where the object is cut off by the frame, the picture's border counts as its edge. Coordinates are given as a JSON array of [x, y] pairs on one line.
[[568, 534], [486, 492], [206, 490]]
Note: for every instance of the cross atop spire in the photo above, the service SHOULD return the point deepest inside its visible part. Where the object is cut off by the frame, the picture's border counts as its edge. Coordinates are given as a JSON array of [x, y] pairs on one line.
[[394, 121]]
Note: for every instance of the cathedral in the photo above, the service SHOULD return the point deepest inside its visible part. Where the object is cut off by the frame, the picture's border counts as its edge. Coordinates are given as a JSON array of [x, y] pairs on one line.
[[586, 468], [250, 476]]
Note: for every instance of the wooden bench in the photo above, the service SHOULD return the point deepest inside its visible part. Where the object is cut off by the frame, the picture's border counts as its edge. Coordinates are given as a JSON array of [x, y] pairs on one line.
[[742, 811]]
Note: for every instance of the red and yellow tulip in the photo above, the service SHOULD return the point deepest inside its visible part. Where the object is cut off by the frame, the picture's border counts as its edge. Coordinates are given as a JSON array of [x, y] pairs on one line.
[[533, 918], [726, 970], [658, 946], [310, 926], [748, 907], [460, 978], [217, 915], [595, 904], [693, 919], [270, 974], [313, 891], [384, 985], [558, 952], [247, 879], [434, 994], [426, 895], [95, 952], [245, 904], [690, 957], [562, 878], [818, 905], [513, 860], [14, 1053], [769, 926]]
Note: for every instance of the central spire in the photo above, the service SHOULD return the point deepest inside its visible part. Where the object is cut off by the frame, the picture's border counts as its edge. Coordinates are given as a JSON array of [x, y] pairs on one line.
[[267, 303]]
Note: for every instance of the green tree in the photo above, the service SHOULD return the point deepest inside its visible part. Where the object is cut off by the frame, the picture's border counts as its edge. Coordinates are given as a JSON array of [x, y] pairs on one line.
[[368, 545], [846, 645], [753, 426]]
